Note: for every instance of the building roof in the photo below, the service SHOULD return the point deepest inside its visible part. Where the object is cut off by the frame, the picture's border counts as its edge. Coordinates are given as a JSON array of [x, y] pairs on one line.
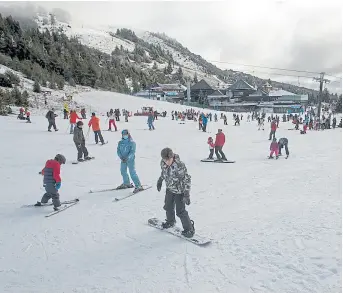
[[260, 92], [241, 84], [201, 85], [280, 93], [171, 86]]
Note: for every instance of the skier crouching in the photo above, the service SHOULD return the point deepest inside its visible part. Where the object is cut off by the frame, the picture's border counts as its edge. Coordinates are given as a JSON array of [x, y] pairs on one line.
[[52, 180], [178, 185], [283, 143], [126, 152]]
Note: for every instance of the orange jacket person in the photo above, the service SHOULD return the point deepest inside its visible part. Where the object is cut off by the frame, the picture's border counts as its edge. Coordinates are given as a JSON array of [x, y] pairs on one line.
[[95, 123], [72, 119]]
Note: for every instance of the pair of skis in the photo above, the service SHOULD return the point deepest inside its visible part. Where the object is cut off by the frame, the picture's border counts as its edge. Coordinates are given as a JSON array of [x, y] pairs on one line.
[[217, 161], [64, 205], [118, 198]]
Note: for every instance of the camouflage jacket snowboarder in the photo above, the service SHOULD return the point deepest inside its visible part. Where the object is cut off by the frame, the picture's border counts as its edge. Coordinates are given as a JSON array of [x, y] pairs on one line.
[[176, 176]]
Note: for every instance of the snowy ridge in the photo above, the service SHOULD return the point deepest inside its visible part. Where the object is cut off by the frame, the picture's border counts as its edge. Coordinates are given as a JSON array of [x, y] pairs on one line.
[[103, 39], [276, 225]]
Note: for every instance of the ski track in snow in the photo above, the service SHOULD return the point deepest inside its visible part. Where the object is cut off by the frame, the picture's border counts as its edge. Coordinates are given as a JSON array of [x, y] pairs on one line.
[[276, 225]]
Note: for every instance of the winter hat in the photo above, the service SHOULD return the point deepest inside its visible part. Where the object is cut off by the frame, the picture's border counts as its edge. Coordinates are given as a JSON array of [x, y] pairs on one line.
[[60, 158], [93, 114], [79, 123], [124, 132], [167, 154]]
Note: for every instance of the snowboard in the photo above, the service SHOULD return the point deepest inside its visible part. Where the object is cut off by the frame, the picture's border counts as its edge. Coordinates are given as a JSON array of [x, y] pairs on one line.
[[145, 187], [176, 231], [36, 205], [109, 189], [62, 208], [217, 161], [75, 163]]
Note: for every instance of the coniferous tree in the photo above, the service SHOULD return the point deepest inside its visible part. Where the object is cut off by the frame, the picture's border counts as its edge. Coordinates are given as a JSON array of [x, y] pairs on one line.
[[36, 87]]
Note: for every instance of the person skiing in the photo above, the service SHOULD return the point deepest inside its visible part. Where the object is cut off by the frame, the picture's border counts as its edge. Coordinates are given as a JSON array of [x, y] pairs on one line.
[[283, 143], [151, 120], [51, 116], [274, 148], [126, 151], [28, 114], [218, 145], [80, 143], [204, 122], [112, 118], [52, 181], [178, 185], [211, 146], [273, 127], [72, 119], [95, 123]]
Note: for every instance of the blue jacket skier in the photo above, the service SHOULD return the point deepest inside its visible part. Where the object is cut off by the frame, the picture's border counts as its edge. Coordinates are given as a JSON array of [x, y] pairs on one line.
[[151, 121], [204, 122], [126, 151]]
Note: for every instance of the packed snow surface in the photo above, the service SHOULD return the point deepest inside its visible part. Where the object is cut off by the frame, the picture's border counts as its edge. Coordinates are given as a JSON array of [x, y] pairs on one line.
[[275, 225]]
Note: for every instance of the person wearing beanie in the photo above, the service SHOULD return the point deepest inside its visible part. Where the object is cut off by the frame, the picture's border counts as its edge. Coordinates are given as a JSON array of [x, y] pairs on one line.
[[178, 185], [52, 180], [80, 142]]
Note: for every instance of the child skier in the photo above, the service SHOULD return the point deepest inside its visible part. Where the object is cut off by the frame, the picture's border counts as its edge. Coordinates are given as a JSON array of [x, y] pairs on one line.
[[52, 181], [80, 143], [274, 148], [211, 146], [95, 123], [126, 152], [178, 185]]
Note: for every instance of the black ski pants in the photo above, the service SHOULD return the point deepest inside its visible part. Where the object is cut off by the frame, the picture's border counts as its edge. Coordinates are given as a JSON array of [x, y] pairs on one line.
[[81, 150], [286, 149], [170, 201], [98, 136], [219, 153], [52, 124], [272, 134]]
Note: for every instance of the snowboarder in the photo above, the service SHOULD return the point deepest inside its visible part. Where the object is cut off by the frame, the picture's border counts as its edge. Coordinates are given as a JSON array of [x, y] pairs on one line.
[[72, 119], [274, 148], [112, 118], [126, 151], [178, 185], [151, 120], [218, 145], [283, 143], [211, 146], [80, 142], [51, 116], [95, 123], [52, 180]]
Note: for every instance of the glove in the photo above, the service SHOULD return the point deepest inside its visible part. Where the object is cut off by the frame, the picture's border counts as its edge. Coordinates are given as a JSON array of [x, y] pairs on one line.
[[40, 173], [186, 198], [58, 185], [159, 184]]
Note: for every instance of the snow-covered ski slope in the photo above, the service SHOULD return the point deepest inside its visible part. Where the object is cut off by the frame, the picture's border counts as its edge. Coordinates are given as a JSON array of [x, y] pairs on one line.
[[276, 225]]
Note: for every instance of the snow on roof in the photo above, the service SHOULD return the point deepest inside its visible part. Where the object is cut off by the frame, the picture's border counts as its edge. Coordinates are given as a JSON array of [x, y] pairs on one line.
[[279, 93]]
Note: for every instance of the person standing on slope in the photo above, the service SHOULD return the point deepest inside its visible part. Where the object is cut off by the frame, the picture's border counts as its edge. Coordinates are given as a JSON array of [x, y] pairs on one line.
[[151, 120], [204, 122], [80, 143], [218, 145], [126, 151], [283, 143], [274, 148], [178, 185], [211, 146], [273, 127], [72, 119], [52, 180], [95, 123], [51, 116], [111, 122]]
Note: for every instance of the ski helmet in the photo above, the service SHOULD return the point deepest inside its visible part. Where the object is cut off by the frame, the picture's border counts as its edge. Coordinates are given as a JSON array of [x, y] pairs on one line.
[[167, 154], [79, 123], [60, 158], [124, 132]]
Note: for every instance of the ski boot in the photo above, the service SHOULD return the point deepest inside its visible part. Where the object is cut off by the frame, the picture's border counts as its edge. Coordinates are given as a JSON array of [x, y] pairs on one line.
[[270, 157], [276, 157], [125, 186], [138, 189], [80, 160], [189, 233], [56, 208], [88, 158], [38, 204], [167, 225]]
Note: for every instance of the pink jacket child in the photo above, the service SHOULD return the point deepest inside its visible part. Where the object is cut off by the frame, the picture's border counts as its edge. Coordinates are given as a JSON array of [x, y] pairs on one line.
[[211, 147], [274, 148]]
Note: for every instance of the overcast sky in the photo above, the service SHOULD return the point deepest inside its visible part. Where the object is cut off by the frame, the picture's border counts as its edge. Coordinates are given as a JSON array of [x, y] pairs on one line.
[[291, 34]]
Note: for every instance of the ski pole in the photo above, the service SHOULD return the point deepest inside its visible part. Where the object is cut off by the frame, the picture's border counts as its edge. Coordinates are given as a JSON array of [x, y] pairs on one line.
[[89, 128]]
